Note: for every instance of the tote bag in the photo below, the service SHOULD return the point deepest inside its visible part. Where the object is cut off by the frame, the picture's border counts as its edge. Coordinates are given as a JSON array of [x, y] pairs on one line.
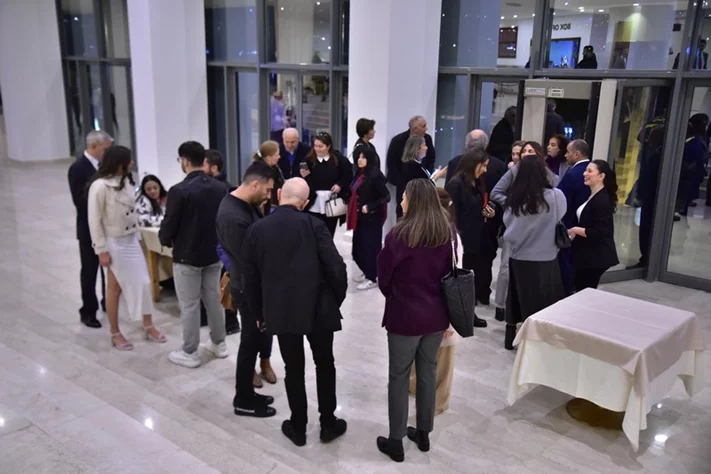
[[459, 297]]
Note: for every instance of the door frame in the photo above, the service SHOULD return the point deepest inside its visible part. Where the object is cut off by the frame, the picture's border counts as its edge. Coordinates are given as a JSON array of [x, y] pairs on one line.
[[475, 103]]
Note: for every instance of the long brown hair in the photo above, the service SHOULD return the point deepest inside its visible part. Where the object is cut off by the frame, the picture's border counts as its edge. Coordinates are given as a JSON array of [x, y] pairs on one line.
[[425, 223], [115, 163], [446, 201]]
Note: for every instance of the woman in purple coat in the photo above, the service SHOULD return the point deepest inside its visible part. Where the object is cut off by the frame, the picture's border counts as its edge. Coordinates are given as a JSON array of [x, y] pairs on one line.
[[416, 256]]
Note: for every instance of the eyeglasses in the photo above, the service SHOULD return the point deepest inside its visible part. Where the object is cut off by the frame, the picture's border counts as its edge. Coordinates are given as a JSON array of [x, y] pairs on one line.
[[177, 159]]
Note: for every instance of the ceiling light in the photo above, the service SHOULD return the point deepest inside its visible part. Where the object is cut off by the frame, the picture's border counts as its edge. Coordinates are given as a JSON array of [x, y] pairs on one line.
[[323, 38], [534, 14], [601, 11], [515, 16], [282, 8], [503, 17], [318, 3], [661, 438], [566, 4]]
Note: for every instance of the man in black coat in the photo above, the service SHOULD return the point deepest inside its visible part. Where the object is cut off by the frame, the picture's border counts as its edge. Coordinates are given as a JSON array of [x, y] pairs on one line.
[[478, 140], [555, 125], [295, 281], [418, 126], [238, 211], [589, 60], [80, 172], [502, 137], [292, 153]]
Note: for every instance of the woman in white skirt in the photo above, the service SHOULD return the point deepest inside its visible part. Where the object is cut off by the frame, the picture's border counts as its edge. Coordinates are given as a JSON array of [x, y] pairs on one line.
[[115, 235]]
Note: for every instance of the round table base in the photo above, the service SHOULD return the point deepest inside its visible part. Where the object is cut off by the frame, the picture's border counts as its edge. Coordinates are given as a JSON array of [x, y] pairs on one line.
[[587, 412]]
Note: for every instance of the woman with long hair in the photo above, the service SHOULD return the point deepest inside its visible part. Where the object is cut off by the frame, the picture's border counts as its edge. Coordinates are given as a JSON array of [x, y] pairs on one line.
[[269, 153], [594, 249], [367, 211], [416, 256], [415, 151], [327, 173], [115, 234], [151, 201], [534, 209], [557, 146], [476, 223]]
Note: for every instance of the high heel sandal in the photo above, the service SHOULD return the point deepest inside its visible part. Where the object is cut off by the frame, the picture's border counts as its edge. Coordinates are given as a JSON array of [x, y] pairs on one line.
[[161, 337], [122, 346]]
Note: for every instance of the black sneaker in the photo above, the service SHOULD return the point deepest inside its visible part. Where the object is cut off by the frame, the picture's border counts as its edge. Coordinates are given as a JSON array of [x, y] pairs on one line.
[[391, 447], [255, 411], [420, 437], [333, 431], [233, 330], [479, 323], [265, 400], [298, 439], [500, 314]]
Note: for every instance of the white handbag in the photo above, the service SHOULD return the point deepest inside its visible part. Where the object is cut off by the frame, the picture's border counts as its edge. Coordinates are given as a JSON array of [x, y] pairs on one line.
[[336, 207]]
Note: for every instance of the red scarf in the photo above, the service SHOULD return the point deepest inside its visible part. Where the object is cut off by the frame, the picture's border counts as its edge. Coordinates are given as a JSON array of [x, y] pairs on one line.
[[352, 215]]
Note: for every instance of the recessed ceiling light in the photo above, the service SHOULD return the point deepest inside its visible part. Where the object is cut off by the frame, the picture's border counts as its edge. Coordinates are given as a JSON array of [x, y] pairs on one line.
[[601, 10], [534, 14], [503, 17], [566, 4], [515, 16]]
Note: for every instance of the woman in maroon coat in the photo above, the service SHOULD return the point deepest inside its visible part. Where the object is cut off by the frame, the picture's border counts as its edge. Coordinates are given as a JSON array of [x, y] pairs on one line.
[[416, 256]]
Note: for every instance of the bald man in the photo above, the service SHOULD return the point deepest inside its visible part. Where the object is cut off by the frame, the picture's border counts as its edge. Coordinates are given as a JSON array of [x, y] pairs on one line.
[[292, 153], [296, 280]]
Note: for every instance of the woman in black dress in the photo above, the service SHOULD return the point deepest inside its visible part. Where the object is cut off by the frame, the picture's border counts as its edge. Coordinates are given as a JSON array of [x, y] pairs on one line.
[[367, 211], [328, 173], [594, 249], [365, 128]]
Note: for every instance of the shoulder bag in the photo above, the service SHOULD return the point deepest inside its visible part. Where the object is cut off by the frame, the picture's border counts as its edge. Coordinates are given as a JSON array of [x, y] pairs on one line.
[[336, 206], [459, 298], [562, 240]]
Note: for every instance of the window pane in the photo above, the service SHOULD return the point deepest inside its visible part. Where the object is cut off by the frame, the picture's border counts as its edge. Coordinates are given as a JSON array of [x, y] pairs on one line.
[[482, 33], [451, 125], [344, 114], [298, 31], [116, 24], [496, 99], [216, 100], [315, 105], [632, 34], [120, 111], [248, 117], [282, 105], [345, 30], [98, 115], [79, 28], [76, 125], [231, 30]]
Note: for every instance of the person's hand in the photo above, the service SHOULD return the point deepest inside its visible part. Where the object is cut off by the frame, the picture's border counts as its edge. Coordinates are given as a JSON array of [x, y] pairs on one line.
[[104, 259], [364, 209], [336, 189], [511, 164], [488, 212], [304, 172], [571, 234], [439, 173], [448, 333], [261, 326]]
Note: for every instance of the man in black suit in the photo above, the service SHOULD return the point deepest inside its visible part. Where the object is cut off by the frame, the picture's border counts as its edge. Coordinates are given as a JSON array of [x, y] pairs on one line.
[[502, 137], [698, 61], [80, 172], [418, 126], [477, 140], [292, 153], [555, 125], [295, 281]]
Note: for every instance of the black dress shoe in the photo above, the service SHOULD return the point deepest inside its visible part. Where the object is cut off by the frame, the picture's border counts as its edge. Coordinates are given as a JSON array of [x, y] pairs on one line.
[[510, 336], [333, 431], [500, 314], [422, 438], [232, 330], [256, 411], [91, 322], [391, 447], [265, 400], [103, 305], [692, 204], [479, 323], [484, 301], [298, 439]]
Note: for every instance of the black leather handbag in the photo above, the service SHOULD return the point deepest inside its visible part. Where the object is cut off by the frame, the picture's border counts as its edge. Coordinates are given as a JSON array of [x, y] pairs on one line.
[[459, 297], [562, 240]]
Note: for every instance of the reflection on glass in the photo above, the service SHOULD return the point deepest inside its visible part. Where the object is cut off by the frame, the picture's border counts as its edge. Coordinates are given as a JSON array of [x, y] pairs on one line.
[[345, 30], [298, 31], [116, 26], [481, 33], [638, 146], [120, 111], [282, 104], [690, 251], [96, 121], [315, 107], [248, 117], [451, 124], [498, 116], [631, 34], [79, 27], [344, 126], [73, 98], [216, 101], [231, 30]]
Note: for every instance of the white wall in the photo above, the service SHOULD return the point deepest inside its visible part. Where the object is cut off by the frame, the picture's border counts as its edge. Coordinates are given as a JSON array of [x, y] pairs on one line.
[[31, 81]]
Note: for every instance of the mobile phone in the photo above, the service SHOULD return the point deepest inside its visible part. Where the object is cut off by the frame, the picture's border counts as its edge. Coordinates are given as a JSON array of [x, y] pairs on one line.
[[304, 166]]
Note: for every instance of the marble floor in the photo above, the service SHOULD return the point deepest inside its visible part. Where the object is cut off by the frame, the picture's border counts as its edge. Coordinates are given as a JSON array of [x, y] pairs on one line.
[[71, 403]]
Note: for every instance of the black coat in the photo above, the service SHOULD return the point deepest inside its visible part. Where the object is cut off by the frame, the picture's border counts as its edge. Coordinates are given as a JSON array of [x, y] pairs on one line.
[[222, 178], [80, 172], [372, 192], [477, 233], [554, 126], [412, 170], [291, 170], [588, 63], [295, 279], [502, 137], [340, 173], [394, 158], [361, 144], [597, 250], [189, 223], [496, 170]]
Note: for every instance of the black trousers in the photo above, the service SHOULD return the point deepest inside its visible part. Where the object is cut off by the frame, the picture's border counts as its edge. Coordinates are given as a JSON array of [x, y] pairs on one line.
[[481, 265], [367, 244], [588, 278], [89, 269], [331, 222], [252, 342], [646, 219], [292, 351], [399, 191], [567, 272]]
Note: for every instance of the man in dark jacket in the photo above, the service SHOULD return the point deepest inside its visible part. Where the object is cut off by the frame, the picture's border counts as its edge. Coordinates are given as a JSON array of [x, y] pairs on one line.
[[237, 212], [214, 167], [418, 126], [555, 125], [80, 172], [295, 281], [189, 228], [589, 60], [502, 137], [292, 153], [477, 140]]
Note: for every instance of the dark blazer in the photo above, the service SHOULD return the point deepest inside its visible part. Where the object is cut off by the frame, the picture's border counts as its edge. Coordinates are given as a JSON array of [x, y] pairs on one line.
[[478, 236], [394, 159], [361, 144], [704, 61], [80, 172], [295, 279], [410, 280], [598, 249], [291, 170], [413, 170], [189, 223], [576, 192], [554, 126], [373, 192], [502, 137]]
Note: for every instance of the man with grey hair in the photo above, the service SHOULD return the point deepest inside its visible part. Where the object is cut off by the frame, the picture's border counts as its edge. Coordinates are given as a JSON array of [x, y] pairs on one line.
[[478, 140], [292, 153], [80, 172], [417, 126]]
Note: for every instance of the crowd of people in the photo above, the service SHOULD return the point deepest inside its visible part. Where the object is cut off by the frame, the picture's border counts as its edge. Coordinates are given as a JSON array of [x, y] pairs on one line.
[[265, 250]]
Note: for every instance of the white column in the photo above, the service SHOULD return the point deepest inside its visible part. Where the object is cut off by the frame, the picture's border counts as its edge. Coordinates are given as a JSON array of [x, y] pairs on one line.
[[31, 81], [169, 80]]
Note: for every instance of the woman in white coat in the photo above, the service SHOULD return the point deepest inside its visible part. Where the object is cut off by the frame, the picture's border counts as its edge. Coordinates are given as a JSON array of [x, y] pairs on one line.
[[115, 235]]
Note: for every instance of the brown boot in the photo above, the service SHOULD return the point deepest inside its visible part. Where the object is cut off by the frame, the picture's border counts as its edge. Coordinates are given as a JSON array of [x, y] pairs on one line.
[[267, 372], [257, 380]]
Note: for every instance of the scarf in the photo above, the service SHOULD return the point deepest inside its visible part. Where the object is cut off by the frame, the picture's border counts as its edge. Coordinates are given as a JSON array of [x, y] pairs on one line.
[[352, 214]]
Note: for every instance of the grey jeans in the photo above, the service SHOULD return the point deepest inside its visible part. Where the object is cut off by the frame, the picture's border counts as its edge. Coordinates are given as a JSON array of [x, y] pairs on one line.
[[403, 350], [193, 284], [502, 281]]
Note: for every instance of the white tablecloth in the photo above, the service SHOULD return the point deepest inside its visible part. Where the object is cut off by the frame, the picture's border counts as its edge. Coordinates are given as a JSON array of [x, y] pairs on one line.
[[150, 238]]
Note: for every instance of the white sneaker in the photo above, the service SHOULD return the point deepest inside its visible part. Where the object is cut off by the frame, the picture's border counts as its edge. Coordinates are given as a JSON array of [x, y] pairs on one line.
[[180, 357], [218, 350], [360, 278], [367, 285]]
